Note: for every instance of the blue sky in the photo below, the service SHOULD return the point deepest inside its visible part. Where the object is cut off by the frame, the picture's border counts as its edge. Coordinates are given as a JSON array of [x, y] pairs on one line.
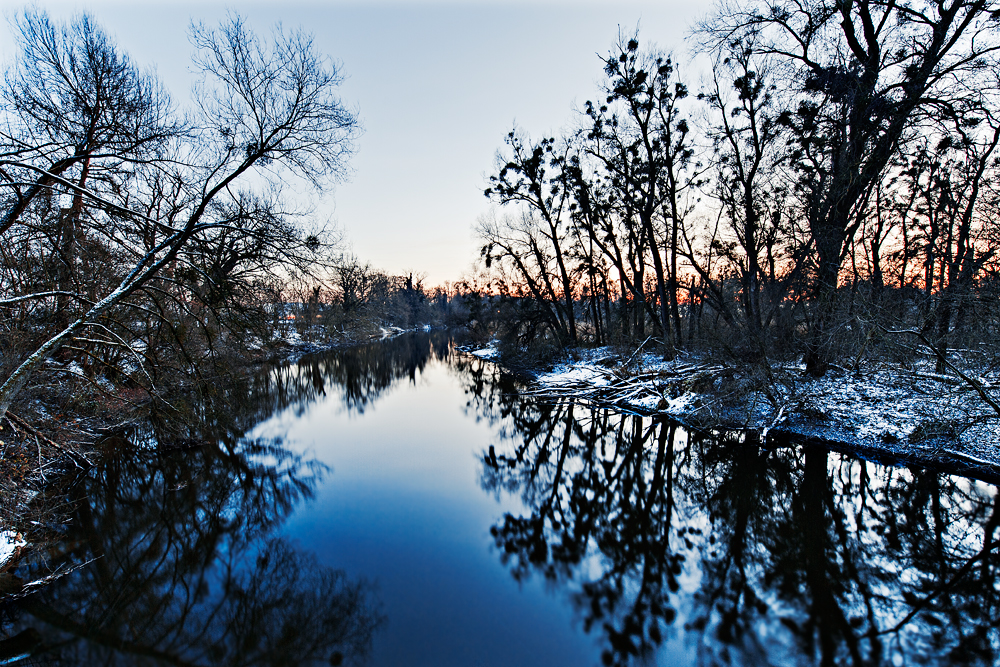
[[437, 86]]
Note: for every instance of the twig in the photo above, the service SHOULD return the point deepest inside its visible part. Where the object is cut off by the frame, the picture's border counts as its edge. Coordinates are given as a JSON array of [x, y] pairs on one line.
[[41, 470], [641, 345], [30, 587]]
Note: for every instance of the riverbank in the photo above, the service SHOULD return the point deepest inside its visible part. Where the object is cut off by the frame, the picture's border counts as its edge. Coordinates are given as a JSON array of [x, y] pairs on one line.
[[65, 410], [880, 411], [292, 346]]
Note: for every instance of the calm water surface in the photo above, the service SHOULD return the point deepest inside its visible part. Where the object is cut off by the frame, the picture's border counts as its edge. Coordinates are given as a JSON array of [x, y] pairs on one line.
[[399, 504]]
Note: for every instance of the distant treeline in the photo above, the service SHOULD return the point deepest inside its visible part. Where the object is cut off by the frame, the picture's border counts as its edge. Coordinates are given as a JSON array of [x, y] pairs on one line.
[[831, 180], [355, 301]]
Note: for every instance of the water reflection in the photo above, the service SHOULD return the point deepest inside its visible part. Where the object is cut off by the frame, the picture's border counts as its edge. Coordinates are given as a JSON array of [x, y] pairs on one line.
[[173, 540], [671, 547], [709, 549], [359, 375]]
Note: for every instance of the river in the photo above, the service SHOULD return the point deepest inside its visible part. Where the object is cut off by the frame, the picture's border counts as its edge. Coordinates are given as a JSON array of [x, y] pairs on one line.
[[398, 504]]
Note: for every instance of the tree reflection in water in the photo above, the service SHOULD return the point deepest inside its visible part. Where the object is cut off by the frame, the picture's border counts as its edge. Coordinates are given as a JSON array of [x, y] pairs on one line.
[[360, 375], [177, 526], [183, 568], [704, 544], [744, 554]]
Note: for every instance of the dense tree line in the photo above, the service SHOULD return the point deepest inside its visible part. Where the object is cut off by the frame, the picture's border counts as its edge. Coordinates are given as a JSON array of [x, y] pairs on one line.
[[834, 178], [357, 300]]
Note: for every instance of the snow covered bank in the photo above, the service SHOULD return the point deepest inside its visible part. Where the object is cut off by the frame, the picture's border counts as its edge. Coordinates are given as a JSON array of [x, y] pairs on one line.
[[909, 414], [490, 352]]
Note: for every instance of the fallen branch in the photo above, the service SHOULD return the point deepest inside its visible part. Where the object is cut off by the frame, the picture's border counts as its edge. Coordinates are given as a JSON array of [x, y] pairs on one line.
[[637, 350], [975, 384], [24, 426], [971, 459], [777, 420]]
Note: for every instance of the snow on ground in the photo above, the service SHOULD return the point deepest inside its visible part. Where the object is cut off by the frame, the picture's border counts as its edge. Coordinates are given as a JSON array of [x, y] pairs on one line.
[[897, 410], [575, 375], [682, 404], [10, 542], [589, 369], [389, 332], [490, 352], [900, 411]]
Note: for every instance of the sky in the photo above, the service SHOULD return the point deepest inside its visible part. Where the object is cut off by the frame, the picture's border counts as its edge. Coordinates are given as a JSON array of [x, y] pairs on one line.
[[437, 87]]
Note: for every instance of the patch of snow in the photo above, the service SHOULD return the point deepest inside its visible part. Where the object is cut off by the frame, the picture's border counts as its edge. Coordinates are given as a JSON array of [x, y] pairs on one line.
[[647, 403], [10, 542], [489, 352], [254, 343], [575, 375], [129, 366], [682, 404], [654, 362], [596, 355]]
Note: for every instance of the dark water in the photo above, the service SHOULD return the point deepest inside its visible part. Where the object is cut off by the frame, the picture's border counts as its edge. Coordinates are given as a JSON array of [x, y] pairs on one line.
[[398, 504]]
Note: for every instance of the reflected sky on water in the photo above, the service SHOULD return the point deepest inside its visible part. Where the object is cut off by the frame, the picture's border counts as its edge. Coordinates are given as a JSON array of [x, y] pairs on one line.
[[399, 504], [404, 506]]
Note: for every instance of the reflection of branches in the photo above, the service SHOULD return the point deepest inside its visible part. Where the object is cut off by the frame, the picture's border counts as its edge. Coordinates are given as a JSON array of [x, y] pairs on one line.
[[184, 573], [360, 374], [586, 498], [280, 607], [942, 588], [178, 522], [290, 610], [797, 555]]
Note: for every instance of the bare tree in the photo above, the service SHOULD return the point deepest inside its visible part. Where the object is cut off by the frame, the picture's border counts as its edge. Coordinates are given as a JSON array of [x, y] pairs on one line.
[[265, 110], [641, 141], [73, 100], [862, 73], [537, 241], [748, 159]]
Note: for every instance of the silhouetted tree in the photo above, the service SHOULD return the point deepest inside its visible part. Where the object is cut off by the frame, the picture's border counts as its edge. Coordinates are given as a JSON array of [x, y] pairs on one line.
[[860, 77], [263, 109]]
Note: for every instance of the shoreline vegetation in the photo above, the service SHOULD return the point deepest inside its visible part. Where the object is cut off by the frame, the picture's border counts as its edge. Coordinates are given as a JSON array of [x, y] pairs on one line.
[[802, 244], [891, 413]]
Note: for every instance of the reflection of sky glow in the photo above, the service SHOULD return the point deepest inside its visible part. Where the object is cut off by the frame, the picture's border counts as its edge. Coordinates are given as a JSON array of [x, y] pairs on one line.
[[403, 507], [692, 546]]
